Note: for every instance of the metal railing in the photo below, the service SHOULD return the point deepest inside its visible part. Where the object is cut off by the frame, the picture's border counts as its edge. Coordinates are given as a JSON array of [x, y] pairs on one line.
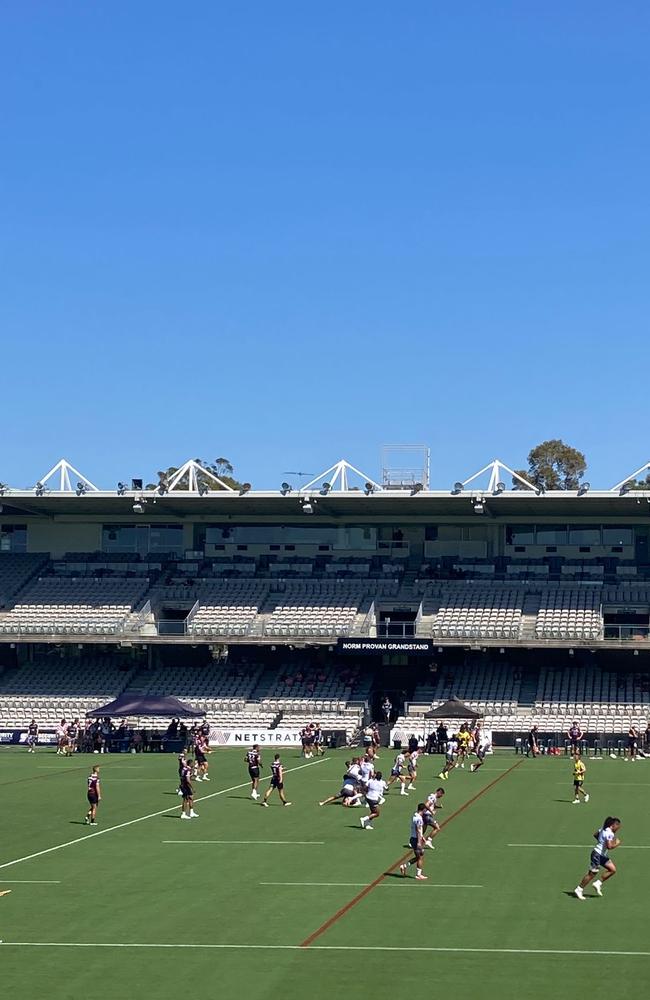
[[622, 633], [400, 629]]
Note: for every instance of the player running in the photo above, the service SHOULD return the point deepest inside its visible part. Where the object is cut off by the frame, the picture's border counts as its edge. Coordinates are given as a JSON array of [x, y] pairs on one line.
[[606, 840], [416, 841], [429, 816], [32, 737], [481, 747], [374, 797], [277, 782], [94, 795], [412, 769], [450, 761], [396, 772], [187, 791], [579, 771], [254, 760], [464, 738]]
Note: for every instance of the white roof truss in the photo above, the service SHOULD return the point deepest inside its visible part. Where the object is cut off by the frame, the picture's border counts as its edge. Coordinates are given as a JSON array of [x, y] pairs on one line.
[[62, 469], [496, 470], [338, 478]]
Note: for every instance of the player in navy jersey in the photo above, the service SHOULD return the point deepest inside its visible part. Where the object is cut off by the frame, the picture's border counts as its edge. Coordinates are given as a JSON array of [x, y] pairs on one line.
[[416, 841], [32, 737], [94, 795], [254, 760], [187, 792], [319, 746], [73, 736], [277, 782]]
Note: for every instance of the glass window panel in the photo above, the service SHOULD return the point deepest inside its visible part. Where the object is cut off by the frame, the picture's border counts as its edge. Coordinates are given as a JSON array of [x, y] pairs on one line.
[[583, 534], [552, 534], [520, 534], [613, 534]]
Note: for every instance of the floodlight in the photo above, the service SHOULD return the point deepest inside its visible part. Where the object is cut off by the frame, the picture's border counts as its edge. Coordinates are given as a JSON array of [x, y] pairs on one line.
[[369, 488], [500, 488], [244, 488], [138, 508], [81, 489], [3, 489], [626, 487], [583, 488], [458, 488], [162, 489], [540, 491], [121, 489], [325, 489], [478, 505], [416, 488], [203, 489], [136, 484], [285, 489], [39, 489], [308, 505]]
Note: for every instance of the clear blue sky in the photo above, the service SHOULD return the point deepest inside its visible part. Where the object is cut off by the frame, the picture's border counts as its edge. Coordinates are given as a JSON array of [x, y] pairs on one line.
[[290, 232]]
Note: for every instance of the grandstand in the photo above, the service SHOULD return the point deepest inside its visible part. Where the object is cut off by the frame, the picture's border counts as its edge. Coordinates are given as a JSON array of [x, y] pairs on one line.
[[531, 607]]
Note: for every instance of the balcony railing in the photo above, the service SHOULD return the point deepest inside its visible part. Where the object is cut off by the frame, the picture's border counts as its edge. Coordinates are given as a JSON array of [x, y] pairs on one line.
[[627, 633]]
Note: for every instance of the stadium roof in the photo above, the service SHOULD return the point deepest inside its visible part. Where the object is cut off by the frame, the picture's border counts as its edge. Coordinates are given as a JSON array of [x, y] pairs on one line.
[[342, 490]]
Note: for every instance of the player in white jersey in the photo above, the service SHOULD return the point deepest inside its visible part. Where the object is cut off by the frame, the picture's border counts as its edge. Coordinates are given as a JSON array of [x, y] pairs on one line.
[[433, 802], [416, 841], [606, 840], [450, 762], [396, 772], [412, 769], [351, 792], [481, 747], [374, 797], [366, 769]]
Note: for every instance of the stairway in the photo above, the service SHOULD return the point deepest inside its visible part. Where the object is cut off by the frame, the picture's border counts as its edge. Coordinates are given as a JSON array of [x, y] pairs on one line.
[[529, 616], [528, 687]]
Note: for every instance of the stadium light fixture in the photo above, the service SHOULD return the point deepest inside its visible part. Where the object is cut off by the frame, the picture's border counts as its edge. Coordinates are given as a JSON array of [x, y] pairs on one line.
[[416, 488], [500, 488], [162, 489], [540, 491], [244, 488], [136, 484], [203, 489], [369, 488], [626, 488], [3, 489], [478, 505], [308, 505], [138, 508], [583, 488], [81, 489], [325, 489], [458, 488], [285, 489], [39, 489], [121, 489]]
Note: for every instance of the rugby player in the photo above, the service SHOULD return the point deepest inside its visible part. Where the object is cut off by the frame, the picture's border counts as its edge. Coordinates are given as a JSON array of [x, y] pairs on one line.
[[277, 782], [416, 841], [374, 797], [606, 840], [94, 795], [253, 759], [579, 771]]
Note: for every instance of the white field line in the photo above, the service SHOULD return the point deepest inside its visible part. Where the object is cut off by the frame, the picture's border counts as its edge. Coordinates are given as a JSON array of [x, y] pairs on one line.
[[141, 819], [256, 843], [431, 885], [586, 847], [321, 947], [31, 881]]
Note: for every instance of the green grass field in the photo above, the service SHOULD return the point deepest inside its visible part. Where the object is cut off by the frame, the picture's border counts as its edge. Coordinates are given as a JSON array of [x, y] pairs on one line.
[[287, 902]]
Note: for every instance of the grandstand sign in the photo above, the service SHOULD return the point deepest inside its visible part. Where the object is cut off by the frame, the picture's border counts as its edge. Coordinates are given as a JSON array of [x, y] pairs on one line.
[[373, 646], [247, 737]]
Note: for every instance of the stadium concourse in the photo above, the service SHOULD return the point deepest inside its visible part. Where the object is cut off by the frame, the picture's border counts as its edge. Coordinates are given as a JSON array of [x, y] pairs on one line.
[[268, 609]]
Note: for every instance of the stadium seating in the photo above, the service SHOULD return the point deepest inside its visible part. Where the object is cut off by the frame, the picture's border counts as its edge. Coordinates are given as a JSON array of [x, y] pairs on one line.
[[569, 614], [54, 605], [226, 607], [16, 568], [469, 611], [322, 608]]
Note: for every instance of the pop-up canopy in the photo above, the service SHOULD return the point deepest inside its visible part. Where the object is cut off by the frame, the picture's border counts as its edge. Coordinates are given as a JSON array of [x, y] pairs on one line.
[[452, 709], [138, 705]]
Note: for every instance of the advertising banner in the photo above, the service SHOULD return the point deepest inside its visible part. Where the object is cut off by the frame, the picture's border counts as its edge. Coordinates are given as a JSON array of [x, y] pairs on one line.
[[247, 737]]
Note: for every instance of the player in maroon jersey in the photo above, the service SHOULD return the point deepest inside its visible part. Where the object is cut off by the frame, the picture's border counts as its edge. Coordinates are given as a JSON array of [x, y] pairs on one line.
[[94, 795], [277, 782]]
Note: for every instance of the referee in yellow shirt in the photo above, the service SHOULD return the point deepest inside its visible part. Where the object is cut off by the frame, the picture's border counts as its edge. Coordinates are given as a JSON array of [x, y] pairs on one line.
[[579, 771]]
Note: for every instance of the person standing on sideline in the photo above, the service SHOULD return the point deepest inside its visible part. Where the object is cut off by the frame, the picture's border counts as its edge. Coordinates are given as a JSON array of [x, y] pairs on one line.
[[533, 742], [579, 771], [606, 840], [416, 841], [94, 795], [574, 735], [277, 782], [254, 760]]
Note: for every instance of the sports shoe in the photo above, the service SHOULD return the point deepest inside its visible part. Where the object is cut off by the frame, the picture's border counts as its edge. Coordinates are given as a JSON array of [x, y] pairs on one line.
[[363, 820], [368, 827], [402, 870], [178, 791], [579, 893], [576, 802], [428, 843], [598, 886], [287, 803], [587, 798], [265, 804], [185, 816], [194, 815], [321, 803], [421, 877], [205, 777], [382, 801], [442, 776], [471, 768]]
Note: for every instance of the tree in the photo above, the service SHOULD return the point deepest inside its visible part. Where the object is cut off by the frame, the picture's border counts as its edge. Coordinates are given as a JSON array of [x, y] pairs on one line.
[[221, 467], [554, 465]]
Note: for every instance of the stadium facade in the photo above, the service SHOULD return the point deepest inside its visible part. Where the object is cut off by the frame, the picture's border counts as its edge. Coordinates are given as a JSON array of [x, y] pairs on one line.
[[528, 604]]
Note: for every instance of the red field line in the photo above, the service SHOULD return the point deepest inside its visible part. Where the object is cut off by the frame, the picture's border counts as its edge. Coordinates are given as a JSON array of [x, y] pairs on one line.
[[373, 885]]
